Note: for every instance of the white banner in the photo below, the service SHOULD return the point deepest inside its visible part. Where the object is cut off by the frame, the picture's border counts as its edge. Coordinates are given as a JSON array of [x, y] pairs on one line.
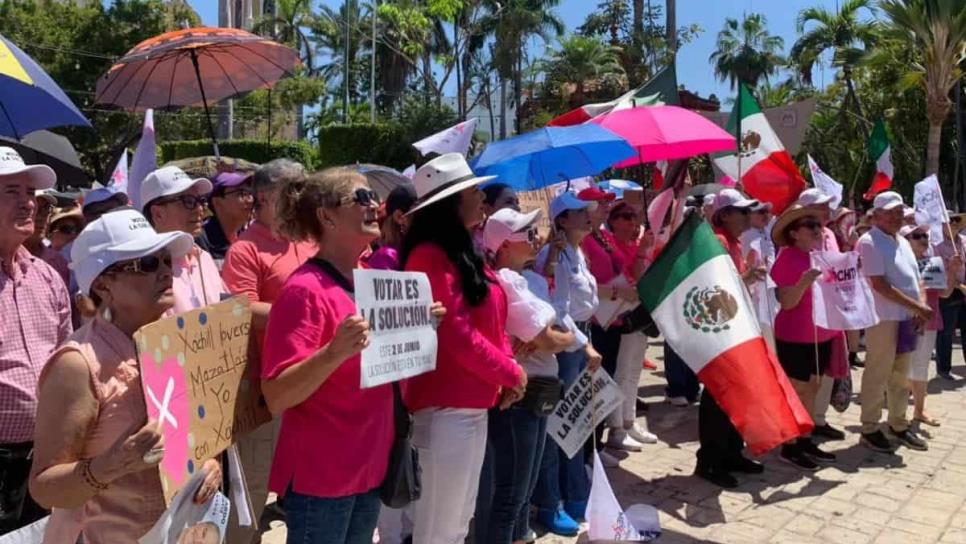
[[933, 271], [607, 521], [841, 298], [571, 423], [402, 332], [825, 183], [930, 207]]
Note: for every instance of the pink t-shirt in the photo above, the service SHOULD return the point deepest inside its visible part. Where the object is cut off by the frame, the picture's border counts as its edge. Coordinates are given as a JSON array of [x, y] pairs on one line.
[[796, 324], [384, 258], [259, 262], [197, 282], [336, 443], [604, 265]]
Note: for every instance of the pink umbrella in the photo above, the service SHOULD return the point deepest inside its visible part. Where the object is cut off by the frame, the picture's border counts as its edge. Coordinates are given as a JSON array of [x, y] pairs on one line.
[[661, 133]]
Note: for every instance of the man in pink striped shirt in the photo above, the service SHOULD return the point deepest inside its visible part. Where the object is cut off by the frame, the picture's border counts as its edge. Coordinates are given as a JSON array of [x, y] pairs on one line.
[[35, 319]]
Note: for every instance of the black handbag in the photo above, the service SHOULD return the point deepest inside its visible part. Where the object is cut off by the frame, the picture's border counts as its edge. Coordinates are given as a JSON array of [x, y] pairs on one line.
[[402, 484], [639, 320], [542, 394]]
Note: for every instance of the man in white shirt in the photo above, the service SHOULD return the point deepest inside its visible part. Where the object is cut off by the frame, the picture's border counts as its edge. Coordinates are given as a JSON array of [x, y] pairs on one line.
[[890, 265]]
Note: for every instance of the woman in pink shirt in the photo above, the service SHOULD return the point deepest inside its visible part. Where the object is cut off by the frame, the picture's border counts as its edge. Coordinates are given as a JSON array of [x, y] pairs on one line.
[[474, 361], [804, 349], [333, 447]]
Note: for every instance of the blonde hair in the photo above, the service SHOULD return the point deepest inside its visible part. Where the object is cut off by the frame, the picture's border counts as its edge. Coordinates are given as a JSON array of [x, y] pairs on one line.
[[302, 196]]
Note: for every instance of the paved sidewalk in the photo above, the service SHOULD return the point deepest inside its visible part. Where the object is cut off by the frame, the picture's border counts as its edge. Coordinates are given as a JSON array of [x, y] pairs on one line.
[[908, 497]]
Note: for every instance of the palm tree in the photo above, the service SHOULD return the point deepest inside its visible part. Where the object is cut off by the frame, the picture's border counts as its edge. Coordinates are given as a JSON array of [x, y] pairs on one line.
[[287, 25], [843, 33], [329, 34], [512, 23], [746, 52], [937, 30], [581, 59]]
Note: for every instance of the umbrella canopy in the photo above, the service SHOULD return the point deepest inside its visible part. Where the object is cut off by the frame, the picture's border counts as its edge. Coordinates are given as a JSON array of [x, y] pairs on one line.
[[29, 98], [548, 155], [192, 67], [662, 133], [706, 189], [208, 166], [54, 150], [382, 179]]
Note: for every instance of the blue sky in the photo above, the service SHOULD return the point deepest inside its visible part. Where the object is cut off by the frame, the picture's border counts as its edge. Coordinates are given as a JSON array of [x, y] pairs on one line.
[[694, 71]]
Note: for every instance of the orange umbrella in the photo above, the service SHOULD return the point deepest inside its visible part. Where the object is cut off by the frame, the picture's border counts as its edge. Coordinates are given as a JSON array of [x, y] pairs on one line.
[[194, 67]]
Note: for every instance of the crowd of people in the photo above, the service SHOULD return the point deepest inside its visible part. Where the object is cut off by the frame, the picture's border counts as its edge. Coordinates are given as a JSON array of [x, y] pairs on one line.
[[517, 319]]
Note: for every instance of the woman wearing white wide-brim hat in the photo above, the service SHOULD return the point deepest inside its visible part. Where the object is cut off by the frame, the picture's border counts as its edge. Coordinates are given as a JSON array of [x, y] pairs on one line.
[[474, 360], [95, 452]]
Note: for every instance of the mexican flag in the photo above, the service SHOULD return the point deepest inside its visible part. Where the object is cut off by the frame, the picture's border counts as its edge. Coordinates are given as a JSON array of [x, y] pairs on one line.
[[696, 297], [762, 165], [661, 89], [881, 154]]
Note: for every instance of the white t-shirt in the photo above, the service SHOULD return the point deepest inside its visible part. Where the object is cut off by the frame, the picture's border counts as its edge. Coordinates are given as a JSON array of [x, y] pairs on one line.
[[891, 257]]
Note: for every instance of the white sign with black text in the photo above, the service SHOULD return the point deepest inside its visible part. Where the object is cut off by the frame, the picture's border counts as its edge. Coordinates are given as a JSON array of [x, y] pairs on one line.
[[933, 271], [571, 423], [402, 330]]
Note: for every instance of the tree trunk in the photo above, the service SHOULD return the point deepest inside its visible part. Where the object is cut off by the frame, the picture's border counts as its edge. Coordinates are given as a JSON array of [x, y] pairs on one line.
[[518, 90], [489, 107], [502, 108], [637, 29], [671, 24], [936, 112]]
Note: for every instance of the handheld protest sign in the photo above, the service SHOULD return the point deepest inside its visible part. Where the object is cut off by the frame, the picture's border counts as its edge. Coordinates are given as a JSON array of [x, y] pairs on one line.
[[402, 331], [199, 375]]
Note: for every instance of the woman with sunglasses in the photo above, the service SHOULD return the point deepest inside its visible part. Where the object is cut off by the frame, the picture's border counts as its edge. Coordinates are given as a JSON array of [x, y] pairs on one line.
[[335, 437], [804, 349], [918, 237], [95, 452], [474, 360]]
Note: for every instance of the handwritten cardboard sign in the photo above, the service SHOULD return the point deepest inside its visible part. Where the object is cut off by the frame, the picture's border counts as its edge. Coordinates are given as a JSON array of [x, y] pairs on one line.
[[586, 403], [198, 383], [402, 330]]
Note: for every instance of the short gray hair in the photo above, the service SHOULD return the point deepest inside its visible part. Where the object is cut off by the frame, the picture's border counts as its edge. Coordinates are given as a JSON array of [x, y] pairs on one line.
[[276, 171]]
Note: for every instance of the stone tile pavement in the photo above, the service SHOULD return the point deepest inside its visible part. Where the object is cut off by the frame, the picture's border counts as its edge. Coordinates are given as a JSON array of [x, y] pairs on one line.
[[865, 497]]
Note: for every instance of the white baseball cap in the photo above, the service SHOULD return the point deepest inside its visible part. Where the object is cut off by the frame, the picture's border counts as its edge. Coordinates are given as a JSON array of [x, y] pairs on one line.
[[168, 181], [813, 197], [887, 200], [122, 235], [503, 224], [41, 176], [567, 200], [731, 198], [443, 177]]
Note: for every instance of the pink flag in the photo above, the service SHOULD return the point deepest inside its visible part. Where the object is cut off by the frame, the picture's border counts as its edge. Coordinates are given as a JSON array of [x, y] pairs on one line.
[[119, 178], [658, 208], [728, 181], [145, 160]]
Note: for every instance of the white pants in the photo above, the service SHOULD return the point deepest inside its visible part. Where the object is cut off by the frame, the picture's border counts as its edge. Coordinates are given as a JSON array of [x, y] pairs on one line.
[[394, 525], [630, 357], [822, 399], [451, 445], [919, 366]]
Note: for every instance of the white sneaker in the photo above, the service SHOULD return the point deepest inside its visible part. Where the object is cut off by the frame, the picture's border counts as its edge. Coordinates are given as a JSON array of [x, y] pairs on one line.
[[678, 401], [620, 440], [641, 435], [608, 460]]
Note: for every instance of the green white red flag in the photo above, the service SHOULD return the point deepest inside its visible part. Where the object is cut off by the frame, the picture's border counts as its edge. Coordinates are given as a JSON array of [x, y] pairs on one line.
[[696, 297], [661, 89], [762, 165], [880, 152]]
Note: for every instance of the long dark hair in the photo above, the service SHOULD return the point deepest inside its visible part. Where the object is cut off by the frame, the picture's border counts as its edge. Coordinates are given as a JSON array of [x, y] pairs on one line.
[[440, 223]]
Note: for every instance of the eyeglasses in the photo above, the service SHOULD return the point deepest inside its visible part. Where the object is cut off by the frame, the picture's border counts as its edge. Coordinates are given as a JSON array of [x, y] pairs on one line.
[[148, 264], [919, 236], [529, 236], [189, 202], [67, 229], [243, 193], [362, 197], [626, 216], [811, 225]]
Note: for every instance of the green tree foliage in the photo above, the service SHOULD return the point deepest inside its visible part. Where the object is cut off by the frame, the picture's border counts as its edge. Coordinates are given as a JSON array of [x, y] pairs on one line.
[[746, 52], [580, 60]]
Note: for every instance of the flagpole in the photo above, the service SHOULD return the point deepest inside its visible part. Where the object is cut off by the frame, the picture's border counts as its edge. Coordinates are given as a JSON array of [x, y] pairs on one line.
[[647, 220], [738, 135]]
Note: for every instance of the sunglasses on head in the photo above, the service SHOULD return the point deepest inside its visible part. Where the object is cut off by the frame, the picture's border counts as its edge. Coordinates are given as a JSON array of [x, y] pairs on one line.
[[363, 197], [148, 264], [189, 202]]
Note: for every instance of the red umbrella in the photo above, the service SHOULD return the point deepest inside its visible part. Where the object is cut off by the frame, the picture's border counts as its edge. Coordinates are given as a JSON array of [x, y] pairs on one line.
[[661, 133], [194, 67]]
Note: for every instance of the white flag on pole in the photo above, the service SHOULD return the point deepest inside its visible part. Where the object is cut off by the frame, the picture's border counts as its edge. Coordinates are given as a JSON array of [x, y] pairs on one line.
[[606, 519], [825, 183], [455, 139], [145, 160], [119, 177], [930, 207]]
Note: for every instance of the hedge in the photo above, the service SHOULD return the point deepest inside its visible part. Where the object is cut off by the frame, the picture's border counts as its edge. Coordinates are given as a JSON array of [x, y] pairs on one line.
[[257, 151], [385, 144]]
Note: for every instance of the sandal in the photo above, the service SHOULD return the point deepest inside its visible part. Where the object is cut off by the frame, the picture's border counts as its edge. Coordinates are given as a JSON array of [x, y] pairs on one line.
[[931, 421]]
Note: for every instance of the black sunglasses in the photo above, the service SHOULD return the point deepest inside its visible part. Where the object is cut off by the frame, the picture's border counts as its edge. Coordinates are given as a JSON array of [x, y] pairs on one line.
[[363, 197], [627, 216], [919, 236], [811, 224], [148, 264], [189, 202]]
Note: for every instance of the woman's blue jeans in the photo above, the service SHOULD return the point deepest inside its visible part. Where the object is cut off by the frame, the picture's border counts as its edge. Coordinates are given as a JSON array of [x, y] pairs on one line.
[[343, 520]]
